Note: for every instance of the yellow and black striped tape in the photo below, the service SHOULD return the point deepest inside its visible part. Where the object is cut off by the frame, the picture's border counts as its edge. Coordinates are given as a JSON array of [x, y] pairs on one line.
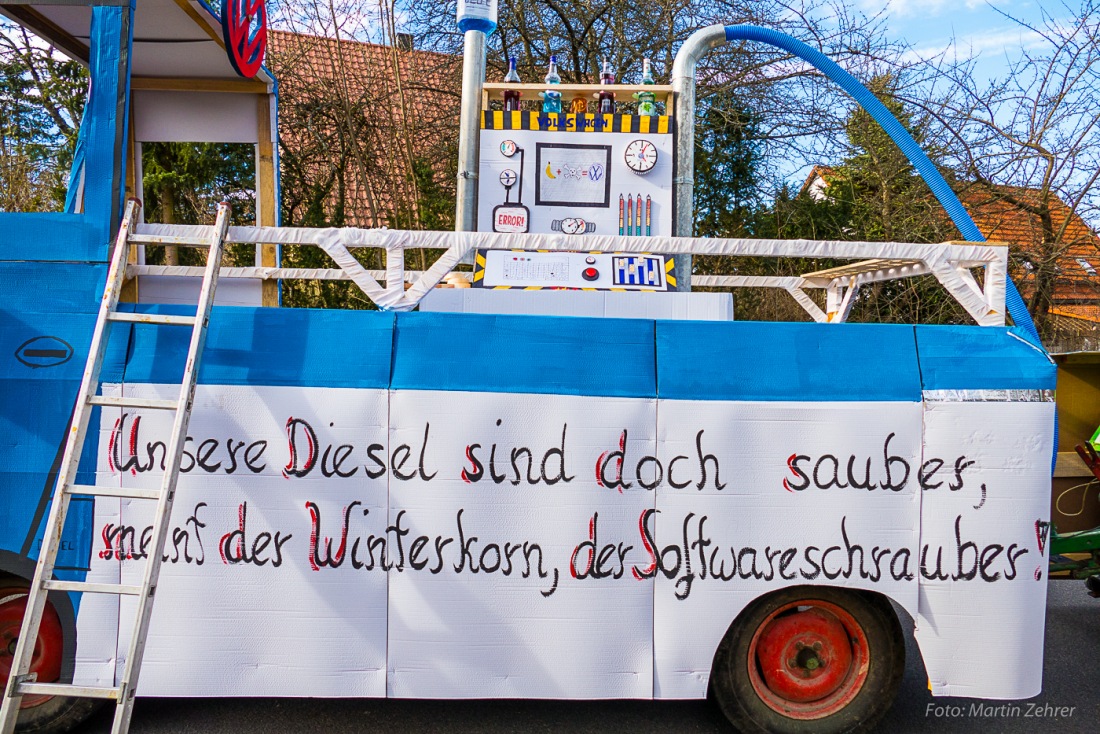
[[573, 123]]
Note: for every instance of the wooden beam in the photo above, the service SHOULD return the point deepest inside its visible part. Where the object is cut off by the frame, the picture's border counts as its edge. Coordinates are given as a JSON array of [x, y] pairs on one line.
[[265, 194], [236, 86], [201, 19], [48, 31], [129, 293]]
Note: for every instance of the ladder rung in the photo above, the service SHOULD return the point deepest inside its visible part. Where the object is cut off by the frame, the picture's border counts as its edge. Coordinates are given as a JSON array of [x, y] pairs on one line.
[[152, 318], [65, 689], [126, 492], [89, 588], [153, 239], [125, 402]]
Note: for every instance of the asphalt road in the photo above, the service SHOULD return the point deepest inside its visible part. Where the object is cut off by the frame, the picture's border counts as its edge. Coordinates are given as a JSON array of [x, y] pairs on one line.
[[1072, 649]]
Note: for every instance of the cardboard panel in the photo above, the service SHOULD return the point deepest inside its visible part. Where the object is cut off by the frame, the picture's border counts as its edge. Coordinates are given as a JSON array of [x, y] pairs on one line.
[[51, 237], [980, 358], [575, 182], [264, 568], [680, 306], [984, 530], [523, 587], [747, 360], [761, 495], [521, 354], [195, 117], [260, 346], [615, 536]]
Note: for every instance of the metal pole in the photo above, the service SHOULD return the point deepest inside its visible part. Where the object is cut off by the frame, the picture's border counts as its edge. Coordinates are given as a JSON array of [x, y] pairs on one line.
[[683, 182], [473, 76]]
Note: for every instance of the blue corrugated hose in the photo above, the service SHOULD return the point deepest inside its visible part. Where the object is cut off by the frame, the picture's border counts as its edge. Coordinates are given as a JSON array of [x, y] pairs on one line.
[[951, 204], [1017, 309]]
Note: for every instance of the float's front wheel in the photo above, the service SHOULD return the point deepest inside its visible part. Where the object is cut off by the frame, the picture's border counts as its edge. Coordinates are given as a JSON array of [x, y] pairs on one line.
[[44, 714], [810, 660]]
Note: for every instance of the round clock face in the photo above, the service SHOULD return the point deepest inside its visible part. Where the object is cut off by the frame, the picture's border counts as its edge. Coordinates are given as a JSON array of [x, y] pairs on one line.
[[573, 225], [508, 148], [641, 156]]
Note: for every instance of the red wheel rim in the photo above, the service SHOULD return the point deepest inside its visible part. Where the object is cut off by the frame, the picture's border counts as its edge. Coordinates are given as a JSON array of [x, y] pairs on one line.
[[808, 659], [47, 649]]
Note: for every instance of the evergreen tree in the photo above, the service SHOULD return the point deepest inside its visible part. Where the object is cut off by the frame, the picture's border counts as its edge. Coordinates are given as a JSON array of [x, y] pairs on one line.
[[183, 183], [42, 97]]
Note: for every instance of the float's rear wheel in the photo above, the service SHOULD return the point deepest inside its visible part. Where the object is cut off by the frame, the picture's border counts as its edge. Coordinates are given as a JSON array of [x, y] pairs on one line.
[[810, 660], [46, 714]]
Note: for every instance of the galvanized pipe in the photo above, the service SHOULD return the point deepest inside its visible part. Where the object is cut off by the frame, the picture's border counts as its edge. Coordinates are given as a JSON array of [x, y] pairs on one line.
[[683, 182], [473, 76]]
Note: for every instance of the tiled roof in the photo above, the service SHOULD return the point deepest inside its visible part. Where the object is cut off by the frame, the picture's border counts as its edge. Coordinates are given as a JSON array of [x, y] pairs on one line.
[[403, 104], [1077, 288]]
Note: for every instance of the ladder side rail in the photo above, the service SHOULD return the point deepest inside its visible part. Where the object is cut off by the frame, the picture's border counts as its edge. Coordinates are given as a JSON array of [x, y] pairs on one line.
[[55, 524], [170, 478]]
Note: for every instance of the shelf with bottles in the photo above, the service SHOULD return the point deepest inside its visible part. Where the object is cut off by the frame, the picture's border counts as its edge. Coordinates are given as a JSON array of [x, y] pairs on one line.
[[491, 95]]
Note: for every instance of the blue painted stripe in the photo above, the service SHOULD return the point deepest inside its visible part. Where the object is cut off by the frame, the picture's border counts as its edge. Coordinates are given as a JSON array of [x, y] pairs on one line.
[[525, 354], [266, 346], [745, 360], [981, 358]]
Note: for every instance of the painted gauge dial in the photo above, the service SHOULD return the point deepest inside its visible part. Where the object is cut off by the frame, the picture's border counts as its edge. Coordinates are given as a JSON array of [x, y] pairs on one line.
[[508, 148], [641, 156]]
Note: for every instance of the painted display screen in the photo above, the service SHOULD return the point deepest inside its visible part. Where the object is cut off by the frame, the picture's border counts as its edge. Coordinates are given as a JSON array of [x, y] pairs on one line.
[[572, 175]]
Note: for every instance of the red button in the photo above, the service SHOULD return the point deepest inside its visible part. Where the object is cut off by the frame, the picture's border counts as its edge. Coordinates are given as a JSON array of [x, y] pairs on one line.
[[590, 274]]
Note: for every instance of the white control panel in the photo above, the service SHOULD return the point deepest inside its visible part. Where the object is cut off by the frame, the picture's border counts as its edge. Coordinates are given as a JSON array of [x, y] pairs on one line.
[[593, 271]]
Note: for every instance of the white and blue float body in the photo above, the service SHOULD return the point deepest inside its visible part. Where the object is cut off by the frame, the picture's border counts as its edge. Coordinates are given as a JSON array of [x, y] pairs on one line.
[[475, 506]]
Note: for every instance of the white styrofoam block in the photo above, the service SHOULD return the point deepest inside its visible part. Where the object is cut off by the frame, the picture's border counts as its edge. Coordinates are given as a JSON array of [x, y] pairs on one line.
[[673, 306], [987, 520], [255, 613], [359, 605], [495, 634], [178, 289], [762, 511]]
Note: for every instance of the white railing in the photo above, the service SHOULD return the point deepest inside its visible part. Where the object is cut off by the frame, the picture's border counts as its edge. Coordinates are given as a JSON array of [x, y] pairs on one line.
[[952, 264]]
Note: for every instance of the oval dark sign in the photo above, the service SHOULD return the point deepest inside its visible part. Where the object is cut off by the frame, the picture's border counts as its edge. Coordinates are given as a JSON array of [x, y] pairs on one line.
[[44, 351]]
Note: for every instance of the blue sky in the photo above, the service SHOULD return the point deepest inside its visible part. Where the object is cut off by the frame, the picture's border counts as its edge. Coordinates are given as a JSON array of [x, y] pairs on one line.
[[972, 27]]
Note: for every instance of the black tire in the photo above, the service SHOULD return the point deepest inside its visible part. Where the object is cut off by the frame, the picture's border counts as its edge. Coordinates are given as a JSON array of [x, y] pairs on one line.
[[51, 715], [786, 629]]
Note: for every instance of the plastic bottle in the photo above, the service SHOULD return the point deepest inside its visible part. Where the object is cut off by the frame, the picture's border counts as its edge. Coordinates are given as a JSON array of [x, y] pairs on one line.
[[551, 101], [477, 15], [607, 98], [647, 72], [552, 76], [511, 97]]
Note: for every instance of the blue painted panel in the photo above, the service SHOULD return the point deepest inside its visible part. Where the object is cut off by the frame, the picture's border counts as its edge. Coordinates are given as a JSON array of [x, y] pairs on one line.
[[745, 360], [51, 287], [267, 346], [53, 237], [524, 354], [981, 358]]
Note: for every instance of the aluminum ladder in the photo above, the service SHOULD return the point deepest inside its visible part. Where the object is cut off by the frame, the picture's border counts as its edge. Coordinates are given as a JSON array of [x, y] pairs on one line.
[[21, 682]]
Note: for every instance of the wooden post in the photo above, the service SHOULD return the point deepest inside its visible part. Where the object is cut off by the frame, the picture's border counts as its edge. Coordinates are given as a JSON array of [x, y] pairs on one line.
[[129, 293], [266, 212]]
